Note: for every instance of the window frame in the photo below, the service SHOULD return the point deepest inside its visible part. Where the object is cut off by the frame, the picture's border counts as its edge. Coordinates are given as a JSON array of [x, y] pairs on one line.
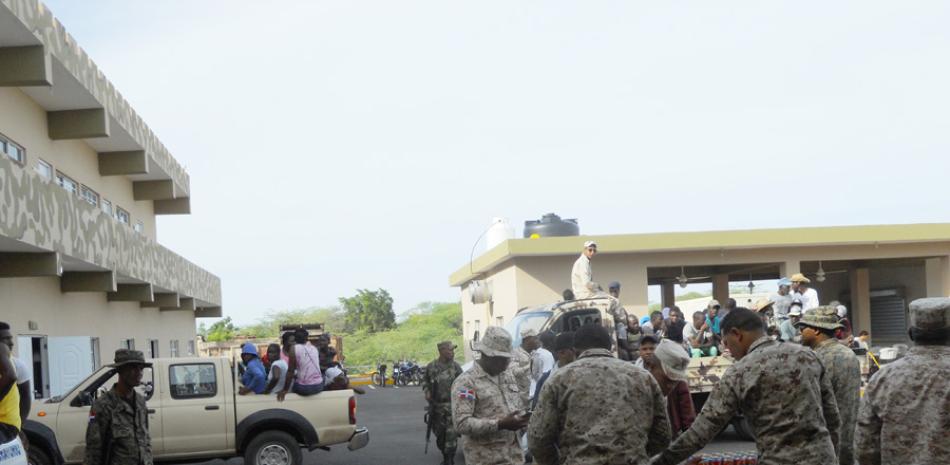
[[82, 195], [128, 217], [4, 142], [154, 348], [139, 227], [173, 348], [102, 202], [176, 396], [52, 171], [60, 176]]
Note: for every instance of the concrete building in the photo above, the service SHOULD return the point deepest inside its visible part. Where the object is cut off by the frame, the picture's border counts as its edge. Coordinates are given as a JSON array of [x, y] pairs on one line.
[[874, 270], [82, 179]]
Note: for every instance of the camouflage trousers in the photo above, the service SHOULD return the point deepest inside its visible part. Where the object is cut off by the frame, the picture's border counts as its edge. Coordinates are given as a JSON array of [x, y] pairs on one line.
[[445, 436]]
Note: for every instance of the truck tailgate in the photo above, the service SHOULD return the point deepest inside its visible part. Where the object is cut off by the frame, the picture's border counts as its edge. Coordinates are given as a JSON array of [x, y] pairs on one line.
[[328, 412]]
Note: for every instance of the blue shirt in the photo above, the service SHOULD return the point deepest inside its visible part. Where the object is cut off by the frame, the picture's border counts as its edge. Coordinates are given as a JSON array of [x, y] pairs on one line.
[[714, 324], [255, 378]]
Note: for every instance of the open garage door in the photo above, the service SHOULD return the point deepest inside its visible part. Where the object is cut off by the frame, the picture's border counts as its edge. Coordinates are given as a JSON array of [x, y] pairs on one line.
[[70, 361], [888, 317]]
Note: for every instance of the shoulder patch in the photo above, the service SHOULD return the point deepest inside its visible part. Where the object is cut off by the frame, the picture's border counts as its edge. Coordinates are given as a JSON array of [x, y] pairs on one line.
[[467, 394]]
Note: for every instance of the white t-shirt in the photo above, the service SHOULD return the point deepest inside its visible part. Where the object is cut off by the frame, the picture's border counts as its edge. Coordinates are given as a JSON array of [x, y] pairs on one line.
[[282, 365], [690, 332], [809, 299], [23, 372]]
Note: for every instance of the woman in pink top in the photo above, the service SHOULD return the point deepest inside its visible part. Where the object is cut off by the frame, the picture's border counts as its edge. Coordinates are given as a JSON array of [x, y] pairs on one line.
[[304, 368]]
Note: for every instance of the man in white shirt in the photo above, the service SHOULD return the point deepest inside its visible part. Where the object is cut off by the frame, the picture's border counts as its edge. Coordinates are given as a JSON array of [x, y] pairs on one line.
[[806, 294], [542, 360], [582, 275]]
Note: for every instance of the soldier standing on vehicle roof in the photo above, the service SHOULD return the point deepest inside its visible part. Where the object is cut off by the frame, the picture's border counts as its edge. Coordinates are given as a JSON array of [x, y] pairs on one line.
[[841, 365], [782, 389], [906, 410], [437, 386], [118, 421], [487, 407]]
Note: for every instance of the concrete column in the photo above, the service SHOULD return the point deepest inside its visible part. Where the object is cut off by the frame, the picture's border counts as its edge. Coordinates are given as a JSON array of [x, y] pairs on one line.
[[634, 296], [938, 277], [720, 283], [668, 298], [860, 300], [788, 268]]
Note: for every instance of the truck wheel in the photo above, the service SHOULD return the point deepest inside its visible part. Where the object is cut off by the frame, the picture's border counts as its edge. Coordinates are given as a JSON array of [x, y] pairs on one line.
[[38, 456], [273, 448]]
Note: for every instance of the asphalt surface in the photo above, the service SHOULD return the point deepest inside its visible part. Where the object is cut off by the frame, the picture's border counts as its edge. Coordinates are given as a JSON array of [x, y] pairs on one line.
[[397, 434]]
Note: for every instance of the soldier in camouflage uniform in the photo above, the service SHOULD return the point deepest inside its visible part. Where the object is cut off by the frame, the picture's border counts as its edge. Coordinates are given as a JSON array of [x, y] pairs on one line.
[[437, 386], [520, 366], [841, 365], [598, 409], [783, 391], [487, 407], [905, 416], [118, 422]]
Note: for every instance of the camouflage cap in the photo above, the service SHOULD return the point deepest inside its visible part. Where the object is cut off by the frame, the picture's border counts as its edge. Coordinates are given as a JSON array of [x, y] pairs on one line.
[[526, 333], [446, 345], [129, 357], [930, 313], [824, 317], [495, 343]]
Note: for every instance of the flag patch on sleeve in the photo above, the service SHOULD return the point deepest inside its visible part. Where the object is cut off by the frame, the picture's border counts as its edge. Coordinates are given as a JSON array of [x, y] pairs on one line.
[[467, 394], [92, 415]]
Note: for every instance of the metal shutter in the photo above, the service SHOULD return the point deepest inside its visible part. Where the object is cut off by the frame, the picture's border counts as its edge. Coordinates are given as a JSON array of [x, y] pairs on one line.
[[888, 320]]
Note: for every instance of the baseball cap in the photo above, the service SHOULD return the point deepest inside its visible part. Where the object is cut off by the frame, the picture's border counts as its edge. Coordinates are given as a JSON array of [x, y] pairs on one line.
[[526, 333], [333, 372], [674, 359], [613, 285], [713, 303], [588, 244], [495, 343]]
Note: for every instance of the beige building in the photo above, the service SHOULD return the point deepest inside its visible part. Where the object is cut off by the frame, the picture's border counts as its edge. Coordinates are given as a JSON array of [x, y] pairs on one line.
[[82, 179], [874, 270]]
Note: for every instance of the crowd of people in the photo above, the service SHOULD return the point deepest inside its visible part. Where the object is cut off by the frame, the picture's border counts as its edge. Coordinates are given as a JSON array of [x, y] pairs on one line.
[[798, 388]]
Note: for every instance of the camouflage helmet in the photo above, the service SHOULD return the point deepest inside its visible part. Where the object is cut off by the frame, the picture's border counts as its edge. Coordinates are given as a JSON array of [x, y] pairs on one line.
[[824, 317]]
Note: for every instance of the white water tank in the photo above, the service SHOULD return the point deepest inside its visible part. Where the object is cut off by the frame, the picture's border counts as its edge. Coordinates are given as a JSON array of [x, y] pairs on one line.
[[500, 231]]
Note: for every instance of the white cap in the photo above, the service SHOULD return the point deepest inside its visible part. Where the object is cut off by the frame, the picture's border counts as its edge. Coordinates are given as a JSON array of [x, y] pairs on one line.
[[842, 311], [674, 359], [590, 244], [526, 333], [333, 372]]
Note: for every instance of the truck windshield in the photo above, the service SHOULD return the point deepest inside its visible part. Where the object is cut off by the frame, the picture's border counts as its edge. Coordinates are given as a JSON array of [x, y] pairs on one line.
[[526, 320]]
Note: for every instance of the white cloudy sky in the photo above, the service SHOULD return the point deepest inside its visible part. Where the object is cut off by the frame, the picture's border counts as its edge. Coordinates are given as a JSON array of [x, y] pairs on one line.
[[342, 145]]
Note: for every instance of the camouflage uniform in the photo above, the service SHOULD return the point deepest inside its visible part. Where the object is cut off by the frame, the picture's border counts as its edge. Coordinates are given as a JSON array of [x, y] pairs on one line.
[[478, 400], [599, 410], [520, 369], [905, 416], [841, 365], [438, 384], [784, 392], [118, 432]]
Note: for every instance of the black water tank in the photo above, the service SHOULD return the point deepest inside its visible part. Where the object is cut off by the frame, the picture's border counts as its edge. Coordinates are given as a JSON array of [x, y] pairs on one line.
[[551, 225]]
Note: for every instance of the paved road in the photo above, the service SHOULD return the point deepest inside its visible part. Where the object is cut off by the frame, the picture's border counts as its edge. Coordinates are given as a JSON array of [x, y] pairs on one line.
[[397, 434]]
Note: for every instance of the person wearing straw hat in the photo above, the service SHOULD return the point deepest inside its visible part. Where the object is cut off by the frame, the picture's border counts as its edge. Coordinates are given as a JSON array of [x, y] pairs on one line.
[[841, 365], [117, 433], [802, 291], [904, 416], [487, 406], [599, 409]]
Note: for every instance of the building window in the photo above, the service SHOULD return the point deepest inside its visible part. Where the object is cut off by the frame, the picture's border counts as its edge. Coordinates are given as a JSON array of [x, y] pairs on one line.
[[127, 344], [139, 227], [191, 348], [89, 195], [193, 381], [67, 183], [106, 208], [44, 169], [173, 348], [122, 216], [13, 150], [153, 348]]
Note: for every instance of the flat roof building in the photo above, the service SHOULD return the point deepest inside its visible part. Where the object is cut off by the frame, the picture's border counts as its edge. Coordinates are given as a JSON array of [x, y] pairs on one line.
[[82, 179], [874, 270]]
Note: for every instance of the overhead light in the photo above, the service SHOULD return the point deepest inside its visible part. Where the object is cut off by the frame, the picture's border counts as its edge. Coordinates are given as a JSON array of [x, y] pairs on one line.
[[682, 279], [820, 275]]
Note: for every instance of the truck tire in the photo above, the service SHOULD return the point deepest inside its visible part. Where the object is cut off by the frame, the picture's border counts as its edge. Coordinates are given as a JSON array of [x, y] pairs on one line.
[[36, 455], [273, 448]]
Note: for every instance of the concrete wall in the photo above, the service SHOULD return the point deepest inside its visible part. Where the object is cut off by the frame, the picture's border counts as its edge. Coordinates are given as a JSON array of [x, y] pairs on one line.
[[23, 121], [89, 314]]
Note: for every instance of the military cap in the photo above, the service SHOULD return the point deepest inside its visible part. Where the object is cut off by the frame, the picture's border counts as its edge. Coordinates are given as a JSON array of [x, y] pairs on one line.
[[495, 343], [824, 317], [129, 357], [930, 313], [446, 345], [526, 333]]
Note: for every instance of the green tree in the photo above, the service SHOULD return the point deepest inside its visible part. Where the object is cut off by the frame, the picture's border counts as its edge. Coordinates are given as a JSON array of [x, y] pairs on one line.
[[222, 330], [369, 311]]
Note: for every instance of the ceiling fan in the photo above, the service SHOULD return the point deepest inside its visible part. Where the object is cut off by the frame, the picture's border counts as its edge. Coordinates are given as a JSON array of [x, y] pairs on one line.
[[683, 280]]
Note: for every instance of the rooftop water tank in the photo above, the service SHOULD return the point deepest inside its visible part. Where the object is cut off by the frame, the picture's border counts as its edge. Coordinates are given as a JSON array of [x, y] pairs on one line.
[[500, 231], [551, 225]]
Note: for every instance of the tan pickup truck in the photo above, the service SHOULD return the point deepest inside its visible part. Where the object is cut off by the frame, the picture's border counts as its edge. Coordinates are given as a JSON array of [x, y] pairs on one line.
[[195, 413]]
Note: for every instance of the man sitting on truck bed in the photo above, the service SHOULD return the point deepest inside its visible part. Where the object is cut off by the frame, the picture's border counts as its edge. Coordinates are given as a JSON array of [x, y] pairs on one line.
[[254, 378], [304, 368]]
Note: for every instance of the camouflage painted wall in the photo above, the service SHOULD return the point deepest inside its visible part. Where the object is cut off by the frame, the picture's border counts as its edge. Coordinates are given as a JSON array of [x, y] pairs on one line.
[[38, 19], [42, 214]]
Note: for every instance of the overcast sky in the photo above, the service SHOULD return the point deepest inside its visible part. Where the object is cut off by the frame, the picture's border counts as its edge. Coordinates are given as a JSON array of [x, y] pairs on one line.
[[342, 145]]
